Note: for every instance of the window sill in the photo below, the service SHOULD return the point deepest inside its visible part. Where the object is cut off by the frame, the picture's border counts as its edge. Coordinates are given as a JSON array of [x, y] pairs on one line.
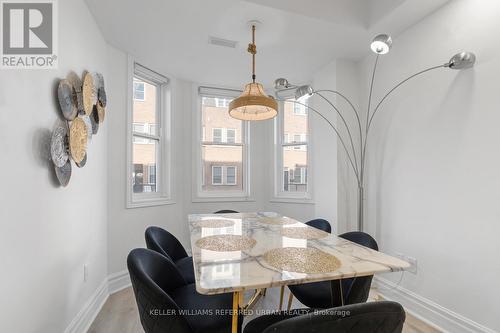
[[150, 202], [223, 199], [307, 201]]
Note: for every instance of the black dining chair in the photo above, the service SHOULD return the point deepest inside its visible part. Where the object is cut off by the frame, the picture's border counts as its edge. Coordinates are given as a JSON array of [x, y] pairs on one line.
[[373, 317], [166, 303], [354, 290], [163, 242], [320, 224], [226, 211]]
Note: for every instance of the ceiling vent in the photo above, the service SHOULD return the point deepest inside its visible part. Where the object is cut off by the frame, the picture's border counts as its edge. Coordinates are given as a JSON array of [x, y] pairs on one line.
[[222, 42]]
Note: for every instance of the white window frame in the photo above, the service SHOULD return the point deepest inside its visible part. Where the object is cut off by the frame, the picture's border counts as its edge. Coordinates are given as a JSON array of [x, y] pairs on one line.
[[279, 195], [163, 194], [198, 195]]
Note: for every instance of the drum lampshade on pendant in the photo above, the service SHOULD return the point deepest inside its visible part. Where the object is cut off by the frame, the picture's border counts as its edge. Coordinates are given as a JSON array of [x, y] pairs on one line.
[[253, 103]]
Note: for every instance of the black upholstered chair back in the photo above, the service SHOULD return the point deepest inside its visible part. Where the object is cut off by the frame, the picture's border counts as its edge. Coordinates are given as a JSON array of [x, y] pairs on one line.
[[375, 317], [321, 225], [162, 241], [153, 276], [356, 290], [226, 211]]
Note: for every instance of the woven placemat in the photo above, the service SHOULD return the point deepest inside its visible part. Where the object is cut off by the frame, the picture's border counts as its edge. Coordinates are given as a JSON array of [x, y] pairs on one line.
[[302, 260], [223, 243], [303, 233], [275, 220], [214, 223]]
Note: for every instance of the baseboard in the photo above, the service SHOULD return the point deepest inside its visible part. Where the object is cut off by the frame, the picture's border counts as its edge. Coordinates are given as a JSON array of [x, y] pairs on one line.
[[118, 281], [112, 284], [82, 321], [428, 311]]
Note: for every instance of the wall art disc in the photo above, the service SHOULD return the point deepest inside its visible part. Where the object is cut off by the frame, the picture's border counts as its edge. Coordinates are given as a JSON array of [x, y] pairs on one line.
[[88, 123], [77, 83], [67, 99], [101, 91], [101, 111], [59, 146], [78, 139], [89, 93], [94, 119], [64, 173], [83, 162]]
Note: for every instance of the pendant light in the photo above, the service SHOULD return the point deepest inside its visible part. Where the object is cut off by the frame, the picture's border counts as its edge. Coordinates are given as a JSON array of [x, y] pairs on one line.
[[253, 103]]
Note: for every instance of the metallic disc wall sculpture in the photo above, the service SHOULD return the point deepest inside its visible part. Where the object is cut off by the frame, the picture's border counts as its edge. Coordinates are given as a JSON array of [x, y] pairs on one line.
[[82, 102], [66, 94]]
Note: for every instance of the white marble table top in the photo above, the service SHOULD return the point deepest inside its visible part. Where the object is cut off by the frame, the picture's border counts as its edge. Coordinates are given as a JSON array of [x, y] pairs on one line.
[[222, 272]]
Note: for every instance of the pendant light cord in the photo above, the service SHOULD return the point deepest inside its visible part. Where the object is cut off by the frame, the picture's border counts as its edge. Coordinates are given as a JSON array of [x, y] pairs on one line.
[[252, 48]]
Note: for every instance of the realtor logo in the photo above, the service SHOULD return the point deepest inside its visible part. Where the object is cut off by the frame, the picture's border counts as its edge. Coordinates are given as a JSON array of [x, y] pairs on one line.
[[29, 38]]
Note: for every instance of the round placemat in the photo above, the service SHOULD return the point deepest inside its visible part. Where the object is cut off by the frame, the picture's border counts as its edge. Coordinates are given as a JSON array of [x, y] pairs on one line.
[[276, 220], [58, 146], [78, 139], [302, 260], [223, 243], [89, 93], [303, 233], [66, 95], [214, 223], [64, 173]]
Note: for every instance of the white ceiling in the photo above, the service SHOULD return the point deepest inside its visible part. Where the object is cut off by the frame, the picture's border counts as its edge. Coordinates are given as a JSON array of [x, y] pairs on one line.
[[296, 39]]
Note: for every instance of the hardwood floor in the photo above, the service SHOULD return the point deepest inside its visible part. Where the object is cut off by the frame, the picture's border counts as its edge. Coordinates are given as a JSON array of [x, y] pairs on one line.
[[119, 314]]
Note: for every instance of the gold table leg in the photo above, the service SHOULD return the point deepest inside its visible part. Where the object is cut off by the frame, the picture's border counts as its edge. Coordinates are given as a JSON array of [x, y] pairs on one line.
[[282, 292], [290, 299], [236, 307]]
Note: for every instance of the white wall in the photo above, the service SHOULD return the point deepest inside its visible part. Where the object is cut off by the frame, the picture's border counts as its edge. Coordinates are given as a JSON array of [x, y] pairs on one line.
[[433, 160], [324, 149], [48, 233]]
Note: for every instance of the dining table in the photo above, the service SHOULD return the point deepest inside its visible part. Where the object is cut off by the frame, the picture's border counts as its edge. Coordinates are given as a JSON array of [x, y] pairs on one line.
[[238, 252]]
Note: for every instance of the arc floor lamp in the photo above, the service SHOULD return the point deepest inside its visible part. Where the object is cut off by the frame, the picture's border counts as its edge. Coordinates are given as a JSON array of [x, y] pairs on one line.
[[253, 105], [380, 45]]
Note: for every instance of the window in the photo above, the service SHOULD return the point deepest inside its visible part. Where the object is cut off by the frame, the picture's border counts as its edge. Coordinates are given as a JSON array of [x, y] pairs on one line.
[[222, 102], [216, 175], [231, 175], [223, 151], [148, 153], [225, 135], [217, 135], [299, 109], [230, 135], [139, 90], [223, 175], [291, 152]]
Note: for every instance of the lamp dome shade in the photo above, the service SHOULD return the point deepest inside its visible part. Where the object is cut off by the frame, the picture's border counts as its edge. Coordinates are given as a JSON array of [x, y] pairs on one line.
[[381, 44], [462, 60], [253, 104], [302, 93]]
